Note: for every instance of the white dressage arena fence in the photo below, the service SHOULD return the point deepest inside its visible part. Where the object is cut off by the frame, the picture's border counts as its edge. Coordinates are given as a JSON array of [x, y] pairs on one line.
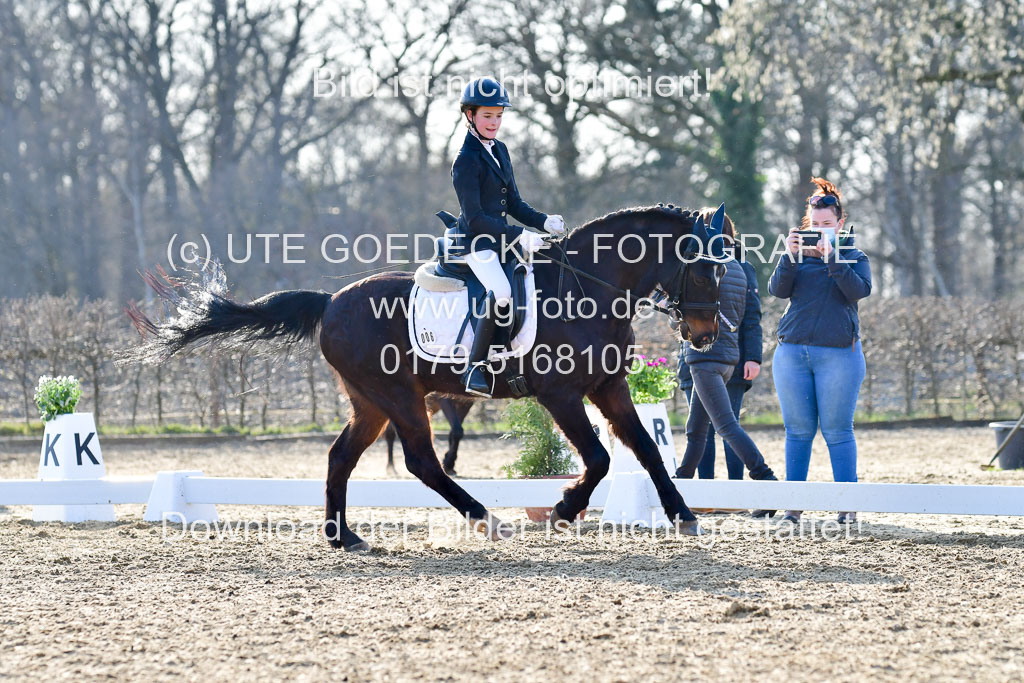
[[190, 496], [73, 487]]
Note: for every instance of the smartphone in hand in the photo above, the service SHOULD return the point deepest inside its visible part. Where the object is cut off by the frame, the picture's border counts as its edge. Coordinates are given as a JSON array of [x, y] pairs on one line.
[[809, 238]]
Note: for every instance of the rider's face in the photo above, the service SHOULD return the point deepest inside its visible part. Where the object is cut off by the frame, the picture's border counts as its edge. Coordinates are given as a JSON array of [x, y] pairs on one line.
[[487, 120]]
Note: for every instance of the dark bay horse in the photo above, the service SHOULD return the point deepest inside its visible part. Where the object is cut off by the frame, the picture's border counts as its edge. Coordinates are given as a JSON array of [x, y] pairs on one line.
[[631, 252]]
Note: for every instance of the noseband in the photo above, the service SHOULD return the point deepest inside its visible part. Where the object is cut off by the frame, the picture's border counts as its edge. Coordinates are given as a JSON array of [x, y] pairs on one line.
[[679, 301], [678, 304]]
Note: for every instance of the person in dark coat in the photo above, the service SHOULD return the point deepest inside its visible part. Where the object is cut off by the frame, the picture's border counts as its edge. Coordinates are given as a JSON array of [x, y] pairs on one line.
[[486, 189], [710, 370], [743, 376], [818, 365]]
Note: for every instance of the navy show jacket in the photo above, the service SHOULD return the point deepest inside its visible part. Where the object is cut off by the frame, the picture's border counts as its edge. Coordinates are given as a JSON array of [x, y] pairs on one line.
[[487, 195]]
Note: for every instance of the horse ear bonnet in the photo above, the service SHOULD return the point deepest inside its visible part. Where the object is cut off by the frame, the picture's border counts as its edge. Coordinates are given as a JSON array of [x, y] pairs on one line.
[[700, 234], [717, 250]]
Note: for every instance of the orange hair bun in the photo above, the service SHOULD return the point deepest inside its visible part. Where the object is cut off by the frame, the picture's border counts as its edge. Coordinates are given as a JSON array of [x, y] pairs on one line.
[[826, 188]]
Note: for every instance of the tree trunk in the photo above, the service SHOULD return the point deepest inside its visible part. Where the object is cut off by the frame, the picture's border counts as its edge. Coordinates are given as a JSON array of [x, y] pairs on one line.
[[947, 211]]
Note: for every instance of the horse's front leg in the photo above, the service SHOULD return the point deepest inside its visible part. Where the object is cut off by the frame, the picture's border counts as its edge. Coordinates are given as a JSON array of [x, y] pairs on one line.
[[613, 400], [571, 417]]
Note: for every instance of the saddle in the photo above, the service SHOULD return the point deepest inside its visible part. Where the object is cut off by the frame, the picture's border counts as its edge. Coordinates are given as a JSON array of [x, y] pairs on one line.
[[446, 294], [448, 272]]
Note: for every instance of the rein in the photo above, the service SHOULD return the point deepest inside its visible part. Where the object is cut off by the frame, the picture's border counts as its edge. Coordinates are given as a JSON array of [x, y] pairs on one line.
[[677, 303], [564, 265]]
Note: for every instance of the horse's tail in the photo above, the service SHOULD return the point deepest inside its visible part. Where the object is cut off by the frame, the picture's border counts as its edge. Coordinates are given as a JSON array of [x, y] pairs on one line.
[[205, 316]]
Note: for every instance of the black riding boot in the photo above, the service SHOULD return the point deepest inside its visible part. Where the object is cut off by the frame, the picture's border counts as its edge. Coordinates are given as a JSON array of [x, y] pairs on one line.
[[478, 379]]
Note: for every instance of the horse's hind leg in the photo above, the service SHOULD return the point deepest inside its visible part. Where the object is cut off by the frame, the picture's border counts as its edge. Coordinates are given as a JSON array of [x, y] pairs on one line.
[[455, 411], [389, 437], [413, 425], [362, 429]]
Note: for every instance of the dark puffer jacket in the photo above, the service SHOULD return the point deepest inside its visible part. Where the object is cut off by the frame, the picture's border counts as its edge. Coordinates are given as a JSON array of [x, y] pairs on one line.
[[749, 338], [732, 294], [822, 297]]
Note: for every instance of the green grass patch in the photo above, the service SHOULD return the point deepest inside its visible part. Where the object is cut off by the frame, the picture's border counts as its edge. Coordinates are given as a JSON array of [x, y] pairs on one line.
[[36, 429], [21, 429]]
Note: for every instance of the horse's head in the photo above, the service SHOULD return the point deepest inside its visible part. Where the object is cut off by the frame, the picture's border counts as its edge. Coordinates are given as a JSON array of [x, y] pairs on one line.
[[693, 289]]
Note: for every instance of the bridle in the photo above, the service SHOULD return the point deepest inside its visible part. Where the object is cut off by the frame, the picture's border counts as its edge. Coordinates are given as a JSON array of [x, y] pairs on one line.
[[679, 304]]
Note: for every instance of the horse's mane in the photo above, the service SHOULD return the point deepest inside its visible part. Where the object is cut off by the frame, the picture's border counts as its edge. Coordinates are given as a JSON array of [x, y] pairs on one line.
[[634, 213]]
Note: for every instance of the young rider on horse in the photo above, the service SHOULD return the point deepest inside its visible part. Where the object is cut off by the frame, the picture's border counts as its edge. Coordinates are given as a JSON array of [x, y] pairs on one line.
[[486, 189]]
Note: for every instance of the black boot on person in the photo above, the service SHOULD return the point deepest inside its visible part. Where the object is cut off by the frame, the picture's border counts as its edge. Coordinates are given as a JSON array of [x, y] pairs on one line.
[[764, 475], [478, 378]]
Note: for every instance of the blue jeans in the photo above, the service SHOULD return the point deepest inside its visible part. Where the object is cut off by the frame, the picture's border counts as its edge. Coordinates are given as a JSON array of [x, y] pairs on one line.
[[733, 464], [712, 407], [819, 384]]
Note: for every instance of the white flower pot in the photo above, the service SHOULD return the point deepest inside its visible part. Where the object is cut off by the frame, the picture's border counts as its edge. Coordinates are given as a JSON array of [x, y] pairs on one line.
[[71, 451]]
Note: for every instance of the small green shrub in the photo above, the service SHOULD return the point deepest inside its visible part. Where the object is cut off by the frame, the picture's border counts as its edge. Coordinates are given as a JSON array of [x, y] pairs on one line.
[[541, 451], [651, 381], [57, 396]]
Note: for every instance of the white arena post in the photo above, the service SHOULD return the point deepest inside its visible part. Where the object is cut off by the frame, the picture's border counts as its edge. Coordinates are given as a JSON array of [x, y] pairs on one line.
[[168, 500]]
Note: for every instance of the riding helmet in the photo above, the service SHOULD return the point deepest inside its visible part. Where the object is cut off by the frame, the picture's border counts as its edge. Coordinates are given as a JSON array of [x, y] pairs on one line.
[[485, 92]]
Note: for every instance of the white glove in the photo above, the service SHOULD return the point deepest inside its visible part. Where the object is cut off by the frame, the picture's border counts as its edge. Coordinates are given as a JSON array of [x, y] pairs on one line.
[[554, 224], [531, 242]]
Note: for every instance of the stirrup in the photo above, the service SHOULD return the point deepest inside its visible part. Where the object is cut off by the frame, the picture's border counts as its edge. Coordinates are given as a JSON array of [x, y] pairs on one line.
[[483, 392]]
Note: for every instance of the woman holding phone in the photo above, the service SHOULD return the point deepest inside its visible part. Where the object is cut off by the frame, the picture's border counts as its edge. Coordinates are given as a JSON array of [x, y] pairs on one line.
[[818, 365]]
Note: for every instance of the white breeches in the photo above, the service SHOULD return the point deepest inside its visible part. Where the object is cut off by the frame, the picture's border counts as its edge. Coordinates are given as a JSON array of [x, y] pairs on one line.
[[487, 268]]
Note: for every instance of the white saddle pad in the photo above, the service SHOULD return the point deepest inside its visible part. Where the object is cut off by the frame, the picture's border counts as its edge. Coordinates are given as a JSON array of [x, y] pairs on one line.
[[435, 319]]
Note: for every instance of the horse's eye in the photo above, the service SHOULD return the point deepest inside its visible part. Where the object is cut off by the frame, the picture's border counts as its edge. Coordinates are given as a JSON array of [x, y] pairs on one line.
[[700, 281]]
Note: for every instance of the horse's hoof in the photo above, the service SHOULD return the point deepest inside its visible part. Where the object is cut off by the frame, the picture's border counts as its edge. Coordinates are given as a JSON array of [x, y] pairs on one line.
[[690, 528], [392, 472], [493, 528], [360, 547], [557, 522], [503, 532]]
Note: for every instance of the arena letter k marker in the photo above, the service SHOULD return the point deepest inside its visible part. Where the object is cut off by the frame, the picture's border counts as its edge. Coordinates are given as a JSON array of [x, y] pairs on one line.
[[71, 450]]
